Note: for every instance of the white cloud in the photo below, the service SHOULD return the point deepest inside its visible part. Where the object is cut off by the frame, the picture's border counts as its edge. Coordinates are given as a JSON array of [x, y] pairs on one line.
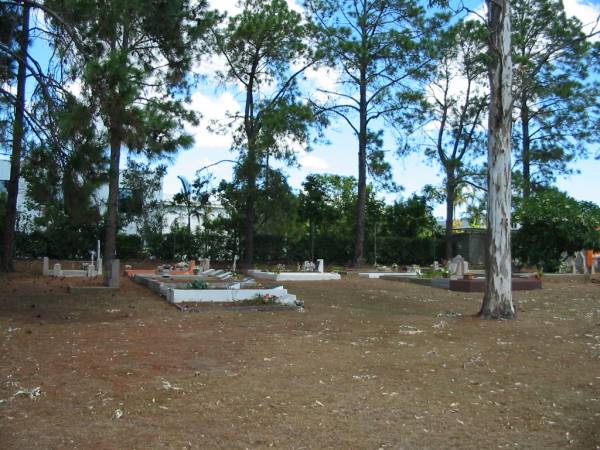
[[212, 108], [231, 7], [586, 12], [74, 87], [310, 162]]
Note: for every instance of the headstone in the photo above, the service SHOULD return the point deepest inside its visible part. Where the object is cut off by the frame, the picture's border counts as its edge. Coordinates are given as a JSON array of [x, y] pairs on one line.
[[90, 271], [579, 263], [458, 266], [98, 260], [204, 264], [57, 272], [452, 268], [320, 266], [115, 274], [233, 266], [46, 266], [436, 265], [308, 266]]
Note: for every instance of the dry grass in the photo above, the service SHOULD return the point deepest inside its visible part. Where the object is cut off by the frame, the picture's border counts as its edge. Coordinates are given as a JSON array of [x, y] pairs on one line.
[[369, 364]]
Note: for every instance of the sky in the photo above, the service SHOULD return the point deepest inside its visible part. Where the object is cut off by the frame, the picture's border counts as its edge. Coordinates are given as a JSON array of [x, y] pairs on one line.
[[340, 155]]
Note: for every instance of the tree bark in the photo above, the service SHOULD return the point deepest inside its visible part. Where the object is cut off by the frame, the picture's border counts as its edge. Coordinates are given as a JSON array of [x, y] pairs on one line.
[[525, 153], [359, 240], [112, 207], [450, 196], [497, 300], [250, 218], [312, 240], [9, 232]]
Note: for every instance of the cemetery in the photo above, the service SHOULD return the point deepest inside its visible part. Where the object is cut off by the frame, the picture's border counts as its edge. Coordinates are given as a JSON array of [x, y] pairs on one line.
[[320, 224], [363, 353]]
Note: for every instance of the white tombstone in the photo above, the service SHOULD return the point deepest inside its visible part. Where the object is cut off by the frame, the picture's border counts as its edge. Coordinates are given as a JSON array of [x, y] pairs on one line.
[[458, 266], [233, 266], [320, 266], [57, 272], [46, 266], [204, 264], [436, 265]]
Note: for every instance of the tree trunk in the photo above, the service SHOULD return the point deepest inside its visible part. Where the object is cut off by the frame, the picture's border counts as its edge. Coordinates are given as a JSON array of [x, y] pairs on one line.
[[525, 154], [312, 240], [10, 220], [450, 196], [359, 240], [112, 207], [497, 300], [250, 213]]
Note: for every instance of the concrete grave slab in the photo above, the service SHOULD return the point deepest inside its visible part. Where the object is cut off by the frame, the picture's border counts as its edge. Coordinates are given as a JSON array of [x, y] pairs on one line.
[[294, 276], [386, 274]]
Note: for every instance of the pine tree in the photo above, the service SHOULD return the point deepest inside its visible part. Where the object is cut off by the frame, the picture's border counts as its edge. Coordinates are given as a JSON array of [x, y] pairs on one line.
[[378, 48], [260, 46], [135, 75], [555, 92]]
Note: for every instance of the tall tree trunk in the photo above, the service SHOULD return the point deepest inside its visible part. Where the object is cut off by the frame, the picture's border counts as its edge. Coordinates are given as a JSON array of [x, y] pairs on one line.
[[249, 212], [450, 196], [10, 220], [112, 210], [312, 240], [497, 300], [359, 240], [189, 218], [525, 153]]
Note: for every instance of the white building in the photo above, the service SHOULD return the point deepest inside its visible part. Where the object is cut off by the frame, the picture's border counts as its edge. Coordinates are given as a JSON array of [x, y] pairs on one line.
[[175, 214]]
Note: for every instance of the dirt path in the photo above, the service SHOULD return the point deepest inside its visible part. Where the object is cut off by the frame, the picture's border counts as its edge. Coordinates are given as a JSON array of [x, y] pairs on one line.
[[370, 364]]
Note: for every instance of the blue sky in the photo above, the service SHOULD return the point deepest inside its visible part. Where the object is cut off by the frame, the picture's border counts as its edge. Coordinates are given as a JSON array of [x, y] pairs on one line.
[[340, 156]]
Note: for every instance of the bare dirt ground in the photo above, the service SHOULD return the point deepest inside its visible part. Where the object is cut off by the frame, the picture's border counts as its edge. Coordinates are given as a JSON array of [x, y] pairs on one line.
[[370, 364]]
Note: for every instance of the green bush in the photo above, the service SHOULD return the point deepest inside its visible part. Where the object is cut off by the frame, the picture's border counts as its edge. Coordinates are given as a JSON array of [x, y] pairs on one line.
[[130, 246], [550, 223]]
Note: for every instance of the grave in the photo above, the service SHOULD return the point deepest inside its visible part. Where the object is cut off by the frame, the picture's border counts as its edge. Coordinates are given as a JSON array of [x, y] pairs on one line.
[[478, 284], [457, 267], [408, 271], [91, 269], [309, 271], [180, 268], [180, 289], [377, 275], [114, 280], [524, 282]]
